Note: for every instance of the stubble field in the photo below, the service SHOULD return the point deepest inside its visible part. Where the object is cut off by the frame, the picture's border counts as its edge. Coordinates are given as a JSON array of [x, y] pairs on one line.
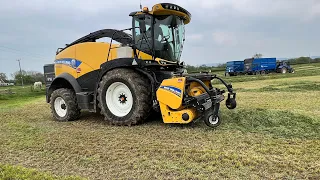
[[273, 134]]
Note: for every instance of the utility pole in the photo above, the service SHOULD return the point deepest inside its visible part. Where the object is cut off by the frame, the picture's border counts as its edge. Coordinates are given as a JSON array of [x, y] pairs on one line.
[[20, 72], [309, 58]]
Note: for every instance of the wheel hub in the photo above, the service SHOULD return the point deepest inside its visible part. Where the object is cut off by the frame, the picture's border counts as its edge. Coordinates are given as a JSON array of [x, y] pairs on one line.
[[213, 119], [63, 106], [119, 99], [60, 106], [122, 98]]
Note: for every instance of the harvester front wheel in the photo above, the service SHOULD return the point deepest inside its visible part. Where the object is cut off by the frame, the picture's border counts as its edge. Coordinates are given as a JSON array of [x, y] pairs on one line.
[[64, 105], [124, 97], [212, 120]]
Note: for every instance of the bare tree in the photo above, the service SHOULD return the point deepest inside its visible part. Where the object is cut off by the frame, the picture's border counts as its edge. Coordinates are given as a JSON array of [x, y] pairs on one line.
[[257, 55], [3, 76]]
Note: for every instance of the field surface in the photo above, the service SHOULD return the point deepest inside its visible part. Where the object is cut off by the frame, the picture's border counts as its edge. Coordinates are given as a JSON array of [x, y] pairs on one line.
[[273, 134]]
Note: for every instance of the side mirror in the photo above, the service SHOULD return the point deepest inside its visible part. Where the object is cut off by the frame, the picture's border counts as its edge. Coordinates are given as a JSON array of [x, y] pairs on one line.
[[142, 23]]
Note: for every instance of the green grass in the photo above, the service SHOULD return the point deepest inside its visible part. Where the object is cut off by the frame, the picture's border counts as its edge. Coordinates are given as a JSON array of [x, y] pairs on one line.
[[19, 96], [8, 172], [273, 134], [298, 87], [282, 124]]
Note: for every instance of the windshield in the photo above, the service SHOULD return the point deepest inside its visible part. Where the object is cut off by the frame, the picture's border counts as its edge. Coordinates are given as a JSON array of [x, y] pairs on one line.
[[229, 63], [169, 35]]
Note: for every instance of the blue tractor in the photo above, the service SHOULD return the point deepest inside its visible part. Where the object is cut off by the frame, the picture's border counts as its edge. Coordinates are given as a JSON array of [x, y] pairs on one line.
[[284, 67], [266, 65]]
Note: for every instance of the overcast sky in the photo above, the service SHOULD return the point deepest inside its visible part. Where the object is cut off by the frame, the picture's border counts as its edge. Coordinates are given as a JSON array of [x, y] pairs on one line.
[[220, 30]]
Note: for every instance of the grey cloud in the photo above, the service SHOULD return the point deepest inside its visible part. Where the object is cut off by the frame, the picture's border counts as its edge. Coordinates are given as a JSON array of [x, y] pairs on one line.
[[220, 30]]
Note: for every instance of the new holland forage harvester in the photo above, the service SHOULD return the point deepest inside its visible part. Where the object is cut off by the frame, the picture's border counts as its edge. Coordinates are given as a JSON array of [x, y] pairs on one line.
[[142, 73]]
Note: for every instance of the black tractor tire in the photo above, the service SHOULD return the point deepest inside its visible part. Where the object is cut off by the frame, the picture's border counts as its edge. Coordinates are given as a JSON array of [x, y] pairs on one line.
[[292, 71], [284, 70], [69, 104], [140, 89]]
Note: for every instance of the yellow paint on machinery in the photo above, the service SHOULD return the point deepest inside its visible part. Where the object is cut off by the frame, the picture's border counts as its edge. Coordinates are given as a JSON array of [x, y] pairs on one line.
[[124, 83], [158, 9], [171, 92], [93, 54], [169, 95]]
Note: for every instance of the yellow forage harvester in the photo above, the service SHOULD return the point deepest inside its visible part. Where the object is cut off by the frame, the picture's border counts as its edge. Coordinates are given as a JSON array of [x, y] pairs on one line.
[[138, 72]]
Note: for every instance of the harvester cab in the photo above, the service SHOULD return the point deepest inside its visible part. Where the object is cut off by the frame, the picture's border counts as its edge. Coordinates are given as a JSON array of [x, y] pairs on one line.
[[160, 32], [125, 82]]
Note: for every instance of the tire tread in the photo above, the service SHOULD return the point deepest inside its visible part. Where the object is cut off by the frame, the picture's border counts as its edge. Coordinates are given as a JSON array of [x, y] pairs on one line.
[[70, 98], [140, 84]]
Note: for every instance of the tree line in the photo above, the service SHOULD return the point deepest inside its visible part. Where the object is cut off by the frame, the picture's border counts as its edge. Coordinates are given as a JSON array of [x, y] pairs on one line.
[[303, 60], [28, 77]]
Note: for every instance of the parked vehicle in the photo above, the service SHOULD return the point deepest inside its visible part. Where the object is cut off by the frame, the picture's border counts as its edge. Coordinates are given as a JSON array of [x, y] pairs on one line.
[[266, 65], [234, 68]]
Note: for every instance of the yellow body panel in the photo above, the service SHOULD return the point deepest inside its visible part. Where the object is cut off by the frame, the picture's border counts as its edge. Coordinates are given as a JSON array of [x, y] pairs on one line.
[[171, 92], [143, 56], [82, 58], [196, 89], [64, 67], [61, 68], [159, 10], [170, 95], [170, 116], [92, 55]]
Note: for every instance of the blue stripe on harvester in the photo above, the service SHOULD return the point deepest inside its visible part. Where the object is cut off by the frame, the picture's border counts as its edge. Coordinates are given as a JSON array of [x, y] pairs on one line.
[[172, 89], [69, 62]]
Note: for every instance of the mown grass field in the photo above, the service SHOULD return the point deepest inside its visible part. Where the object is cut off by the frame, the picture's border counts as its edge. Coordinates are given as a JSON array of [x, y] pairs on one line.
[[273, 134]]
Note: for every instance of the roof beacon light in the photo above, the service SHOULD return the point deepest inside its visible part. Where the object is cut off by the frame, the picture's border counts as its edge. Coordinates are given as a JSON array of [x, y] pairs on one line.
[[145, 9]]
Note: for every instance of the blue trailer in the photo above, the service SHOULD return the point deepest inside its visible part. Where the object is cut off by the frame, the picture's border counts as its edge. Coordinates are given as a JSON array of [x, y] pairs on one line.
[[234, 68], [266, 65]]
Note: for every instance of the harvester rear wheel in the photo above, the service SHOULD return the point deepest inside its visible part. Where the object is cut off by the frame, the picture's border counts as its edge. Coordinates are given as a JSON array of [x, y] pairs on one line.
[[64, 105], [124, 97]]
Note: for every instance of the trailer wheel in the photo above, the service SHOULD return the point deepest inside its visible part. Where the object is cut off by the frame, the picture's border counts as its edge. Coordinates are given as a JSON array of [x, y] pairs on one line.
[[124, 97], [262, 72], [64, 105]]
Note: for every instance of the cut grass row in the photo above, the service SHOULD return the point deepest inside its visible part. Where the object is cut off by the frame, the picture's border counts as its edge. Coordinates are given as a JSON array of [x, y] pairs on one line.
[[251, 144], [271, 135], [9, 172]]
